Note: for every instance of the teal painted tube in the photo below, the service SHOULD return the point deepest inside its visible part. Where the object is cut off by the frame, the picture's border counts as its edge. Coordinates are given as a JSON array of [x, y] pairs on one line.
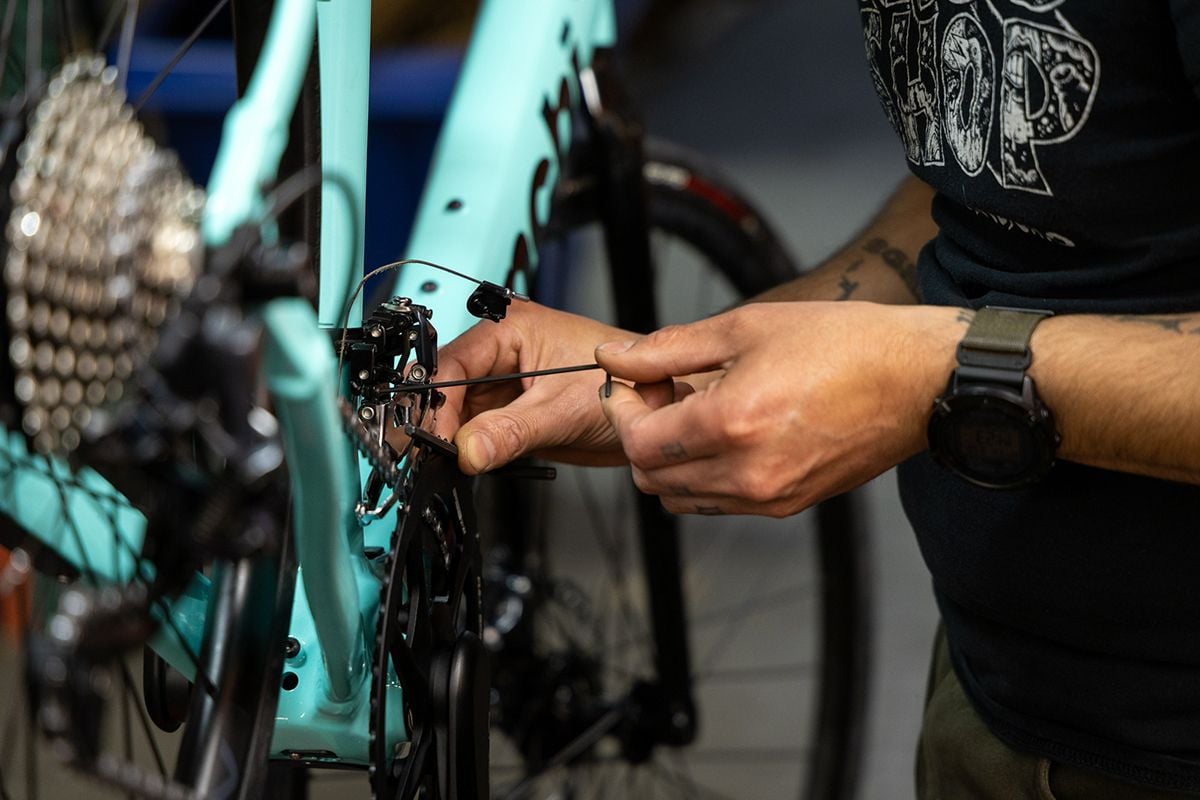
[[344, 34], [499, 152], [256, 128], [301, 376]]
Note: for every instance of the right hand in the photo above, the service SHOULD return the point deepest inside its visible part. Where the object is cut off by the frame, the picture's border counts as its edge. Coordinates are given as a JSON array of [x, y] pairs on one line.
[[556, 416]]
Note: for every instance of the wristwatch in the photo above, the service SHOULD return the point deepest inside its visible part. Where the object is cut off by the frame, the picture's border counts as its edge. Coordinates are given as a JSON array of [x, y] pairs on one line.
[[990, 427]]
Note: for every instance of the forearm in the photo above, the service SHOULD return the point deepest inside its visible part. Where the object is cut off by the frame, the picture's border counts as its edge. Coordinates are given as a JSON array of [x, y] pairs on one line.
[[878, 265], [1124, 391]]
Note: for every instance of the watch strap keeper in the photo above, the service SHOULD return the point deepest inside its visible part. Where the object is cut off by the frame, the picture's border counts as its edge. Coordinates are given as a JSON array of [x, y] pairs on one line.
[[996, 344]]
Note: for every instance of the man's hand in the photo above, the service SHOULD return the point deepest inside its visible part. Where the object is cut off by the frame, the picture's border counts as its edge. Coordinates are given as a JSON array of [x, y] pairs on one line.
[[815, 399], [557, 416]]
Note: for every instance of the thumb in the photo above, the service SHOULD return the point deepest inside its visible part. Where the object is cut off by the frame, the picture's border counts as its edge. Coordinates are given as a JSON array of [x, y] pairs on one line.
[[670, 352], [494, 438]]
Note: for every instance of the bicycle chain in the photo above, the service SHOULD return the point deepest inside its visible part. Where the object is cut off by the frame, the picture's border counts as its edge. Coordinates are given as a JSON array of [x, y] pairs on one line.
[[378, 455], [104, 244]]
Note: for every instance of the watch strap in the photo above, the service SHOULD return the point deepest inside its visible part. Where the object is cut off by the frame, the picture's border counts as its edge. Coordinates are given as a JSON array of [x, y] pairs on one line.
[[998, 339]]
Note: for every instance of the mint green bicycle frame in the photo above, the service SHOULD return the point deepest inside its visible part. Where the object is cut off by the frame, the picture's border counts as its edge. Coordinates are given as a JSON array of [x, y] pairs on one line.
[[498, 158]]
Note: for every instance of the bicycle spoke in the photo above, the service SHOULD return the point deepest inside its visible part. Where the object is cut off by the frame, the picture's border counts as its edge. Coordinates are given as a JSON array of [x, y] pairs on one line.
[[127, 732], [724, 639], [752, 755], [693, 789], [31, 759], [10, 736], [183, 49], [67, 28], [613, 551], [10, 15], [125, 48], [115, 14], [612, 548], [763, 603], [131, 691], [33, 47], [764, 673]]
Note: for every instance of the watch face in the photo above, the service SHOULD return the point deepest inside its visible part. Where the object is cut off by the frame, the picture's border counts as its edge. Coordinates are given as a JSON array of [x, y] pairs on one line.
[[992, 443], [992, 440]]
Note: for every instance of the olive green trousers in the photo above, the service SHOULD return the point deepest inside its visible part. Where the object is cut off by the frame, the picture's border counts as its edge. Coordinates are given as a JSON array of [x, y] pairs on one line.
[[958, 758]]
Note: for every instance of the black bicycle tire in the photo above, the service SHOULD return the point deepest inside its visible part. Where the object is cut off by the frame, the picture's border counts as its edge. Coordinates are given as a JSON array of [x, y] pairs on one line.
[[692, 201]]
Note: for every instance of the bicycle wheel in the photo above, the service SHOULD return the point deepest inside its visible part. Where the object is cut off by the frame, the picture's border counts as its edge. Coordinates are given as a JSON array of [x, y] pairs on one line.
[[101, 715], [775, 609]]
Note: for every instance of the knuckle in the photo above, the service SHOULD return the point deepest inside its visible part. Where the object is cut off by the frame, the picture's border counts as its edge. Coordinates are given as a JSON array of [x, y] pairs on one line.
[[514, 433], [777, 511], [674, 505], [738, 429], [667, 336], [644, 482], [758, 487], [637, 448]]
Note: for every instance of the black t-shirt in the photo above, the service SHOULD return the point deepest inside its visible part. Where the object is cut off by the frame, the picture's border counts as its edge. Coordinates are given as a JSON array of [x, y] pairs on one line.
[[1063, 139]]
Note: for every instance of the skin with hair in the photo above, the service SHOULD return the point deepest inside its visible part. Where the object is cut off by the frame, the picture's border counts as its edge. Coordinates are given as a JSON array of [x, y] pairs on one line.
[[811, 389]]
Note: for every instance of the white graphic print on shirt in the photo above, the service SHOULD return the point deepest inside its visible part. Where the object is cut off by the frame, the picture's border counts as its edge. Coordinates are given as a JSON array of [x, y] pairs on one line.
[[957, 93]]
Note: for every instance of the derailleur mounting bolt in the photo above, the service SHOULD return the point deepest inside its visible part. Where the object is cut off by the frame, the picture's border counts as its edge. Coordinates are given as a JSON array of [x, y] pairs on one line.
[[417, 373], [366, 413]]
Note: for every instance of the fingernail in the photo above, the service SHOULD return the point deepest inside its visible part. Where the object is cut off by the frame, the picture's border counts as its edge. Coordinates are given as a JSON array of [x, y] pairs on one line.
[[613, 348], [481, 453]]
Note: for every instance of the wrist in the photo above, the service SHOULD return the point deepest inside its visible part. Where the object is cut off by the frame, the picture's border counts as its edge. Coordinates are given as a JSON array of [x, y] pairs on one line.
[[927, 357], [989, 426]]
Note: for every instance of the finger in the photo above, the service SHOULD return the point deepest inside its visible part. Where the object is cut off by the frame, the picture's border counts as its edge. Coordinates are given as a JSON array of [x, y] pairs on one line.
[[549, 415], [656, 395], [482, 349], [624, 407], [672, 434], [702, 506], [670, 352]]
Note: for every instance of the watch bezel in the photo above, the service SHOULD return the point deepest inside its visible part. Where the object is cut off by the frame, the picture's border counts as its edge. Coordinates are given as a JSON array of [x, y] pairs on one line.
[[1028, 415]]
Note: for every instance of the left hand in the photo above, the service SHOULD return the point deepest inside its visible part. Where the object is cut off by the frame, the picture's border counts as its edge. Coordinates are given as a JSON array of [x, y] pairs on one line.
[[815, 399]]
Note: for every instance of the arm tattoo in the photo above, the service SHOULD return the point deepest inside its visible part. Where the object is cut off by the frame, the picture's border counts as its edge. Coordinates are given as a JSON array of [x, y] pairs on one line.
[[1171, 324], [897, 259], [848, 287]]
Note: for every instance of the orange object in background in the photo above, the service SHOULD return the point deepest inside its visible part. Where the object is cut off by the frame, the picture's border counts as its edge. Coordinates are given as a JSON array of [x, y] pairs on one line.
[[15, 604]]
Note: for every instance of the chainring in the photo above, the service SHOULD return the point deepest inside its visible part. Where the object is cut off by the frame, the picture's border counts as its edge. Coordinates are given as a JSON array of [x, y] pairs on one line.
[[428, 638]]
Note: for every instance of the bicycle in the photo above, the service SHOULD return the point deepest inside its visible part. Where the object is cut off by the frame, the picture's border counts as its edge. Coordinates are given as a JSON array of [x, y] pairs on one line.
[[422, 570]]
